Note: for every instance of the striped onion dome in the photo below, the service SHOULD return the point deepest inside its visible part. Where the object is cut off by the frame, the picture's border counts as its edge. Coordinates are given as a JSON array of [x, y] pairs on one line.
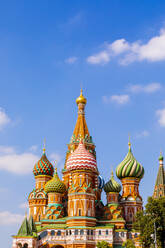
[[55, 185], [101, 182], [112, 185], [43, 167], [81, 159], [129, 167]]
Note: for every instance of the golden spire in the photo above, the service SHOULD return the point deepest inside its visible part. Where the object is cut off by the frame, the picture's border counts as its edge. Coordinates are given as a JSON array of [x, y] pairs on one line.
[[44, 149], [81, 98]]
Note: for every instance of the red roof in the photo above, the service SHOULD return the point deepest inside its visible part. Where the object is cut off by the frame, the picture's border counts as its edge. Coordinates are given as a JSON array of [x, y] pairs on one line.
[[81, 158]]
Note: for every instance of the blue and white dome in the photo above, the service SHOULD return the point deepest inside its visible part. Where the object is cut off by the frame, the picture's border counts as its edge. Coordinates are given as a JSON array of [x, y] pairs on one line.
[[101, 182]]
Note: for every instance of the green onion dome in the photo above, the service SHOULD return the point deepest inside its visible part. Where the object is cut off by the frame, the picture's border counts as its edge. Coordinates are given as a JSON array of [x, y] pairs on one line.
[[112, 185], [43, 166], [129, 167], [161, 157], [55, 185]]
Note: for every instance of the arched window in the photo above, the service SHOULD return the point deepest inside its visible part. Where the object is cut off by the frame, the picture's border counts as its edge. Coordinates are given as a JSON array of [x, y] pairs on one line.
[[58, 233], [91, 232], [106, 232], [136, 235], [122, 234], [70, 232], [81, 232], [25, 245], [87, 232], [99, 232], [19, 245], [52, 233], [43, 234], [76, 232], [79, 212]]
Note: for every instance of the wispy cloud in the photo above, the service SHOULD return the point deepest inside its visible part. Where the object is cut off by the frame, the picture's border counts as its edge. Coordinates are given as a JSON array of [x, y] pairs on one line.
[[57, 159], [72, 22], [161, 117], [18, 163], [4, 119], [7, 218], [149, 88], [127, 52], [23, 205], [71, 60], [142, 134], [33, 148], [119, 99]]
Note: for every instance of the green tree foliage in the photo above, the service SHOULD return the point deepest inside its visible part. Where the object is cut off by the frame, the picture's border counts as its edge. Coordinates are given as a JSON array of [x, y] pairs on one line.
[[128, 244], [154, 214], [103, 244]]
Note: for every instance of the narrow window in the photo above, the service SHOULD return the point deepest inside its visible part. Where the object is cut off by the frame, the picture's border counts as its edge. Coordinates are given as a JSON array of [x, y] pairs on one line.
[[99, 232], [76, 232], [79, 212], [82, 232], [106, 232]]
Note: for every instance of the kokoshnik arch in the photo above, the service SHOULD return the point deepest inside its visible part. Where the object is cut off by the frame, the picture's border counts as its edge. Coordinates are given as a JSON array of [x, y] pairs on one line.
[[69, 212]]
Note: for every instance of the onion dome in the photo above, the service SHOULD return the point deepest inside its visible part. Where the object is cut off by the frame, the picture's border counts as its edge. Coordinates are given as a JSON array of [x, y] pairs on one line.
[[112, 185], [129, 167], [81, 158], [55, 185], [81, 99], [101, 182], [43, 166], [161, 157]]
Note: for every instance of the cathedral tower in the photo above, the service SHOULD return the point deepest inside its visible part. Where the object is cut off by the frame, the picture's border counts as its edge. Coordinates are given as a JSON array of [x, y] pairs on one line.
[[130, 172], [55, 189], [43, 172], [159, 190]]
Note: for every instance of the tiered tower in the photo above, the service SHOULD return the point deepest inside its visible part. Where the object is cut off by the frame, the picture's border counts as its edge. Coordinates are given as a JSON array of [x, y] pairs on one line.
[[130, 172], [159, 190], [55, 189], [113, 210], [43, 172], [82, 167]]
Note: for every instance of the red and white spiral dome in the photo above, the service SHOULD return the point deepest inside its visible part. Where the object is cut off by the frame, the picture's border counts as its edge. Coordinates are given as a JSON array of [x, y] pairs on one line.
[[81, 158]]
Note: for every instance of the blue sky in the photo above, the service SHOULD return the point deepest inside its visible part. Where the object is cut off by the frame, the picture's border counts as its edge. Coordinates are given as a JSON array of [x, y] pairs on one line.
[[115, 50]]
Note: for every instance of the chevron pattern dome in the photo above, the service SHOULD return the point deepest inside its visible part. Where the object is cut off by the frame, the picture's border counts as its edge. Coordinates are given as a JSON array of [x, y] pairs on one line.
[[43, 167], [112, 185], [129, 167], [81, 159], [55, 185]]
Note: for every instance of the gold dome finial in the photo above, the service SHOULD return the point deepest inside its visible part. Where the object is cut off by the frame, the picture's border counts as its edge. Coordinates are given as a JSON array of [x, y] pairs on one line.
[[44, 147], [129, 142], [81, 98], [112, 172]]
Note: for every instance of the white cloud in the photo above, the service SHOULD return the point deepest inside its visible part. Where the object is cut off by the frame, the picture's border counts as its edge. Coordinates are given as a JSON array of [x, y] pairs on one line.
[[18, 163], [142, 134], [6, 149], [161, 117], [149, 88], [119, 99], [4, 119], [100, 58], [33, 148], [71, 60], [127, 52], [7, 218], [23, 205]]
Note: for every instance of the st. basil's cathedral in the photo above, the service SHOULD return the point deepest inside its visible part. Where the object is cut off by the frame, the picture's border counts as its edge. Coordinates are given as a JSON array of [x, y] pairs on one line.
[[69, 213]]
